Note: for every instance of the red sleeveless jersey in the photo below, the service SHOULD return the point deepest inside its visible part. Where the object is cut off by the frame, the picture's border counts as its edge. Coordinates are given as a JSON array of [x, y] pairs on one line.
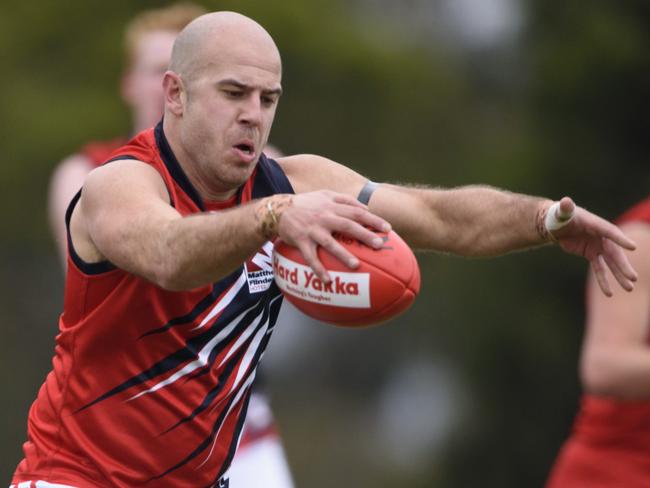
[[610, 443], [150, 387]]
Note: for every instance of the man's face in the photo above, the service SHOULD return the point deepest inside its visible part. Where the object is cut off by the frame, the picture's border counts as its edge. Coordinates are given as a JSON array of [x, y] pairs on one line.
[[142, 84], [229, 110]]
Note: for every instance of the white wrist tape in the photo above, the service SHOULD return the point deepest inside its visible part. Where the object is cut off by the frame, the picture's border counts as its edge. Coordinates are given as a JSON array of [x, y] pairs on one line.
[[556, 219]]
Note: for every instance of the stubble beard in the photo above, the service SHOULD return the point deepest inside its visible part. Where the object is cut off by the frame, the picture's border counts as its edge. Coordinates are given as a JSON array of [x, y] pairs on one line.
[[227, 176]]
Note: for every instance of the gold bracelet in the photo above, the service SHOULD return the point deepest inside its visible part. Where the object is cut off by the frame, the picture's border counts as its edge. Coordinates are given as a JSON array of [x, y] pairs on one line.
[[269, 213]]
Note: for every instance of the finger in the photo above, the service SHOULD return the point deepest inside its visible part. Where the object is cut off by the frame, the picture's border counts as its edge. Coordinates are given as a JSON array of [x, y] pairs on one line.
[[596, 225], [618, 258], [598, 266], [348, 200], [332, 246], [566, 209], [613, 233], [623, 280], [558, 215], [309, 252], [357, 231], [364, 217], [373, 220]]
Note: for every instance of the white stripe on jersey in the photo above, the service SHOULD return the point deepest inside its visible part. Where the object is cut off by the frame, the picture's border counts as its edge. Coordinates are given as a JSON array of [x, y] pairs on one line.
[[243, 367], [241, 391], [45, 484], [242, 338], [250, 353], [202, 359], [225, 300]]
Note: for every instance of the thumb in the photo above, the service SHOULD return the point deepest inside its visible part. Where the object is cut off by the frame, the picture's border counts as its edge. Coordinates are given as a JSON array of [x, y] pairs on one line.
[[559, 214], [565, 210]]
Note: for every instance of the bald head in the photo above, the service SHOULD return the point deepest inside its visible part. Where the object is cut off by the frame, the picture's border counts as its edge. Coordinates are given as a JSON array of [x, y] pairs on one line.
[[223, 37]]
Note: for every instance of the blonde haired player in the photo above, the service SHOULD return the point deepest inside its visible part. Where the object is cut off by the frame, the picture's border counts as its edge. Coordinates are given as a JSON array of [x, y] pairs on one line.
[[148, 41]]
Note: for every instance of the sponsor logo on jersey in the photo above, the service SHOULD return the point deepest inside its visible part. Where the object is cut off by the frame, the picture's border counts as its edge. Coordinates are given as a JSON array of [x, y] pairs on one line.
[[350, 290], [259, 269]]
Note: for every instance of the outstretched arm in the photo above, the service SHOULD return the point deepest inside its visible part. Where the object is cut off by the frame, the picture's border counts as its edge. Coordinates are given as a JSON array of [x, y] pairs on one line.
[[470, 221], [615, 356], [483, 221], [476, 220]]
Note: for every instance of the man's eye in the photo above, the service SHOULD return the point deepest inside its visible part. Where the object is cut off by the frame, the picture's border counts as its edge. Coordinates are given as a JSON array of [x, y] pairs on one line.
[[268, 101], [234, 93]]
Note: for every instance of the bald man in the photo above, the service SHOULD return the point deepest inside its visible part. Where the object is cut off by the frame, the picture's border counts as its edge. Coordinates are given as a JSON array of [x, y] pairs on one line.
[[148, 41], [169, 301]]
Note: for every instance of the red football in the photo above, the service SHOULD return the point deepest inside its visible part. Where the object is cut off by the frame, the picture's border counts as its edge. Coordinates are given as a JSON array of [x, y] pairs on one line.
[[384, 285]]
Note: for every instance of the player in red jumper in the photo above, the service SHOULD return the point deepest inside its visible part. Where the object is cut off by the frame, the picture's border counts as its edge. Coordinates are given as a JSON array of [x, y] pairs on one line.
[[162, 330], [610, 443], [149, 38]]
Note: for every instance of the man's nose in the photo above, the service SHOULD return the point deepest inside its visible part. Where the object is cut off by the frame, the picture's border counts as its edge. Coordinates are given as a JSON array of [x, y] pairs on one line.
[[251, 112]]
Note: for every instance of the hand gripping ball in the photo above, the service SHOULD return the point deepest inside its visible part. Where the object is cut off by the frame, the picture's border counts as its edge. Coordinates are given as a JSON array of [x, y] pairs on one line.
[[383, 286]]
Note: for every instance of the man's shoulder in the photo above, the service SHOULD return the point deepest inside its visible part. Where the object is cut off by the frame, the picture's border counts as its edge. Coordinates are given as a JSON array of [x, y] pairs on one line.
[[309, 172]]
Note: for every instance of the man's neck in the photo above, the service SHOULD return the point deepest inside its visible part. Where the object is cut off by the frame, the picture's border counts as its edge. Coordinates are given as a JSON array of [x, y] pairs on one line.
[[192, 171]]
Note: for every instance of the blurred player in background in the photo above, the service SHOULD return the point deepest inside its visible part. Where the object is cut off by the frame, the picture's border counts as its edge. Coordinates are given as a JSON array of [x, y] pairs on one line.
[[148, 41], [610, 443]]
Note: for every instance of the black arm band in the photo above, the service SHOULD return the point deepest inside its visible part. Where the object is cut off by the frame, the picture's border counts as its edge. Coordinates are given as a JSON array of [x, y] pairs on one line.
[[367, 191]]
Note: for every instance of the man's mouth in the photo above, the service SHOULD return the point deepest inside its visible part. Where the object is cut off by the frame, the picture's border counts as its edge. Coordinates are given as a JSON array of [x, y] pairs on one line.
[[246, 148]]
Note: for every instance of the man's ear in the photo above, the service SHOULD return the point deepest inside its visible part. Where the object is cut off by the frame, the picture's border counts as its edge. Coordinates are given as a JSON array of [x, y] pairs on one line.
[[174, 92]]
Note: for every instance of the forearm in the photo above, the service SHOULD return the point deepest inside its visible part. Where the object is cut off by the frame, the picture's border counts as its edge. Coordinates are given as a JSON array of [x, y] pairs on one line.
[[619, 372], [469, 221], [200, 249]]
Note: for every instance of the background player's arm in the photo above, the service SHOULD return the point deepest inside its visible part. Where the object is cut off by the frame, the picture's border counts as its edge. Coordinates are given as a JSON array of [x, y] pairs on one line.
[[616, 357], [124, 216], [65, 182]]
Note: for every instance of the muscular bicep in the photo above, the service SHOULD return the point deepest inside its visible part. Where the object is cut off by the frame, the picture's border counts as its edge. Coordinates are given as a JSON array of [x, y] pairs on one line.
[[122, 216], [308, 172], [411, 211]]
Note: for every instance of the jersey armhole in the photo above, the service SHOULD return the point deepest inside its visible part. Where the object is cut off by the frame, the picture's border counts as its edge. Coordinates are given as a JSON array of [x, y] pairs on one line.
[[85, 267]]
